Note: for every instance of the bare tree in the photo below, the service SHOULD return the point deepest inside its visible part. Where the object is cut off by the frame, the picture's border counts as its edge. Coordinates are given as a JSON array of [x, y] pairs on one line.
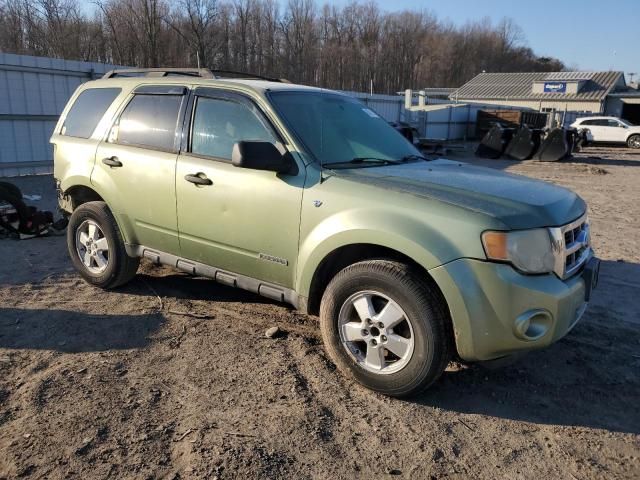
[[350, 47]]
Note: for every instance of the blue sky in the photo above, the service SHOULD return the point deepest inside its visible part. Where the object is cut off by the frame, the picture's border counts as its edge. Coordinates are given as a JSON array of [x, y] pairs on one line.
[[587, 34]]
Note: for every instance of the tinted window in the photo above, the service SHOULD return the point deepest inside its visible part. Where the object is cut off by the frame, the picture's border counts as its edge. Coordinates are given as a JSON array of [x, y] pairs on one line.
[[588, 122], [613, 123], [86, 112], [218, 124], [148, 121]]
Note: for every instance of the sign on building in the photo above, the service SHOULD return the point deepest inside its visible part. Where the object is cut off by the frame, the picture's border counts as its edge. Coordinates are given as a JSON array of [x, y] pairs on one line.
[[555, 87]]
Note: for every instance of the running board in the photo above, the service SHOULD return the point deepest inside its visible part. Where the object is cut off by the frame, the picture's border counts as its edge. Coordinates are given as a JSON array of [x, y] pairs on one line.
[[265, 289]]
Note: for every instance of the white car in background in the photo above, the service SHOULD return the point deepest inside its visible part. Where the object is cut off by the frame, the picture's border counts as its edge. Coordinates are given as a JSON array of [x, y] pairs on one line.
[[610, 130]]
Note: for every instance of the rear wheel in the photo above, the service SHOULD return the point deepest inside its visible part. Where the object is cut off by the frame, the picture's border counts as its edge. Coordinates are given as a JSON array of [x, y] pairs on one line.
[[386, 327], [96, 247], [634, 141]]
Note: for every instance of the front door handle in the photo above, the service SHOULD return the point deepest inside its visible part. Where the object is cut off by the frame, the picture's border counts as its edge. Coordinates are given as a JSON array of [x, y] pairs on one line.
[[198, 179], [112, 161]]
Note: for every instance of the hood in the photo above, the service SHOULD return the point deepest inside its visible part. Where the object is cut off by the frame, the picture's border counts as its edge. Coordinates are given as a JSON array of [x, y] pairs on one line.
[[518, 202]]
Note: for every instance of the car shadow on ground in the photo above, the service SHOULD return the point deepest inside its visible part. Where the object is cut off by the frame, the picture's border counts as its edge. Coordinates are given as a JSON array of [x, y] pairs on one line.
[[596, 364], [592, 158], [186, 287], [589, 156], [74, 332], [516, 393]]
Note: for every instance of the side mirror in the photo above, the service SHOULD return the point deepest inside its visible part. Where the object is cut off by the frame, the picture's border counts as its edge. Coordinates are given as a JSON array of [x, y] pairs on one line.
[[261, 156]]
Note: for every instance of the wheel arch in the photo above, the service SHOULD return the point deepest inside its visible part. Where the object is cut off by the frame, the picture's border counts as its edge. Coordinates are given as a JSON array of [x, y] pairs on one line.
[[345, 255], [79, 194], [632, 134]]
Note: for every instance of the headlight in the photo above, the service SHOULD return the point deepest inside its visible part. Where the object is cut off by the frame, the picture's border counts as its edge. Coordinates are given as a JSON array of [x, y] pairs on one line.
[[529, 251]]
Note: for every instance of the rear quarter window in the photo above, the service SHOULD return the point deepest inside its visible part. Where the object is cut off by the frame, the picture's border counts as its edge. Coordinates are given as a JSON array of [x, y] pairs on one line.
[[88, 109], [148, 121]]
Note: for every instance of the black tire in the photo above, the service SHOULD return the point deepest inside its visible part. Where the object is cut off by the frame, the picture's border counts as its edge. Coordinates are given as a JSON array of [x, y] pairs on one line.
[[11, 189], [424, 308], [120, 267], [7, 196], [633, 141]]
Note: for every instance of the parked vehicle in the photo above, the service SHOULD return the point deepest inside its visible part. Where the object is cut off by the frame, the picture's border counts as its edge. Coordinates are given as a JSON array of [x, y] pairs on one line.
[[610, 130], [308, 197]]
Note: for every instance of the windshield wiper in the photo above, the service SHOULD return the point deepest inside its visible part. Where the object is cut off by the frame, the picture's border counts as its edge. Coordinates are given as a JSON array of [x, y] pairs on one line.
[[359, 160], [414, 156]]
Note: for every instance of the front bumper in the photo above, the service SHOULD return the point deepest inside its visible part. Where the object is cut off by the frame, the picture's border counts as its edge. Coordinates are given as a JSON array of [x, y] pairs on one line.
[[497, 311]]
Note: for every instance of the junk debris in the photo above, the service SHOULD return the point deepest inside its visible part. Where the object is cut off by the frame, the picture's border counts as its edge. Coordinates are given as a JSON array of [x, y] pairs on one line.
[[495, 141], [21, 221], [527, 143]]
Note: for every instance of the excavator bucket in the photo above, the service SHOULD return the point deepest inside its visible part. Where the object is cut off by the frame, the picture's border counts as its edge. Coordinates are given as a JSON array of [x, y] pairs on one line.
[[494, 142], [557, 145], [524, 144]]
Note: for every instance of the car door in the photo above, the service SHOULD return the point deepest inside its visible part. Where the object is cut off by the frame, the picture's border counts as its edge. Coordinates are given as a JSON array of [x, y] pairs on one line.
[[618, 131], [135, 166], [240, 220], [595, 129], [607, 130]]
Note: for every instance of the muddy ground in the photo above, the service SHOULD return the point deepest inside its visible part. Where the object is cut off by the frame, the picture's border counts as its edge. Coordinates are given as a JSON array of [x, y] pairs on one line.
[[172, 377]]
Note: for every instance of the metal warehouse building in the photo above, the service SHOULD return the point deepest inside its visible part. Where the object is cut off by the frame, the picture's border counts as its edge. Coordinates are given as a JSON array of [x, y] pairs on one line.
[[571, 92]]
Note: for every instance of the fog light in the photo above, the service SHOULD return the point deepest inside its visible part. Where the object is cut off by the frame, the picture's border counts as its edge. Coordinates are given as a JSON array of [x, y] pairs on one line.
[[532, 325]]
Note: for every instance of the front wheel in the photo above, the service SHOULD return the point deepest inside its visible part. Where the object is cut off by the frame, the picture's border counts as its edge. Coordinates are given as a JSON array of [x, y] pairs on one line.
[[96, 247], [634, 141], [386, 327]]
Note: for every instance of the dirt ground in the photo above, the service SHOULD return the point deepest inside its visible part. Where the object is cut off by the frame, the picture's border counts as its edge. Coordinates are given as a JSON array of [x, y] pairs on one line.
[[126, 385]]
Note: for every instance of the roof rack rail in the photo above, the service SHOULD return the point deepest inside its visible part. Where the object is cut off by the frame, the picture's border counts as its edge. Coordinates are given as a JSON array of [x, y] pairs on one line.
[[187, 72], [246, 75], [160, 72]]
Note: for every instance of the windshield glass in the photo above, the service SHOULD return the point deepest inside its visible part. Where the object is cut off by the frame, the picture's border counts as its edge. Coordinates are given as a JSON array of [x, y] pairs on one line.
[[626, 122], [337, 129]]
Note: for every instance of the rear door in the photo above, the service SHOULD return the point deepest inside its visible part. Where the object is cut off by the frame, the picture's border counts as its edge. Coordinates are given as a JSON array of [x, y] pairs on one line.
[[597, 129], [243, 221], [135, 166]]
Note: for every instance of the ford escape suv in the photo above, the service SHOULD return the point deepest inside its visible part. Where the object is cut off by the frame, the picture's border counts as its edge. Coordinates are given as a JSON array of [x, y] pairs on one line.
[[307, 196]]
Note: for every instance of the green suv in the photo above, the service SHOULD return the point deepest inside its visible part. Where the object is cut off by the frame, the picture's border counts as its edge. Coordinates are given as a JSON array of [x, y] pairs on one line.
[[308, 197]]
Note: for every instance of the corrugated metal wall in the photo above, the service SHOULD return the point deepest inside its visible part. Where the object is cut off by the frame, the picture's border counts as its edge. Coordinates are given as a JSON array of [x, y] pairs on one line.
[[33, 92], [389, 107]]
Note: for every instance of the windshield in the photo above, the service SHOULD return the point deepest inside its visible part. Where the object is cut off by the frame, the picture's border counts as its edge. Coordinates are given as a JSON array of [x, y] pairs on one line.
[[338, 129], [626, 122]]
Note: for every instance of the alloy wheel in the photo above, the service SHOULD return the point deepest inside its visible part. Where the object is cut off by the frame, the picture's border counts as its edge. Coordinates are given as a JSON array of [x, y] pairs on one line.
[[92, 247], [376, 332]]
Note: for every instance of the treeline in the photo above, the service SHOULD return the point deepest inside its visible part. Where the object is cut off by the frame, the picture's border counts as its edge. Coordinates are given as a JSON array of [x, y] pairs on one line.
[[348, 48]]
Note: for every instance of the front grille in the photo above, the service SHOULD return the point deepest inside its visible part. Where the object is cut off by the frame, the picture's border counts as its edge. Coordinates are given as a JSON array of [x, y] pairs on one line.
[[572, 247]]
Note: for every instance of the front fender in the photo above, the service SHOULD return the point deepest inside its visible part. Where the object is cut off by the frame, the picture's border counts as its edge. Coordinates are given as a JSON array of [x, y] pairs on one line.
[[426, 245]]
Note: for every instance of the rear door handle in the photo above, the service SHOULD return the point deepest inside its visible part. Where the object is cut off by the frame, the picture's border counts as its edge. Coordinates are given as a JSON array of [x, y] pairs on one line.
[[112, 161], [198, 179]]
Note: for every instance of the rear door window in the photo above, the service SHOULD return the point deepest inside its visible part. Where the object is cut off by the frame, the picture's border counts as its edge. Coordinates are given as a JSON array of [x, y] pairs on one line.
[[149, 121], [88, 109], [219, 123]]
